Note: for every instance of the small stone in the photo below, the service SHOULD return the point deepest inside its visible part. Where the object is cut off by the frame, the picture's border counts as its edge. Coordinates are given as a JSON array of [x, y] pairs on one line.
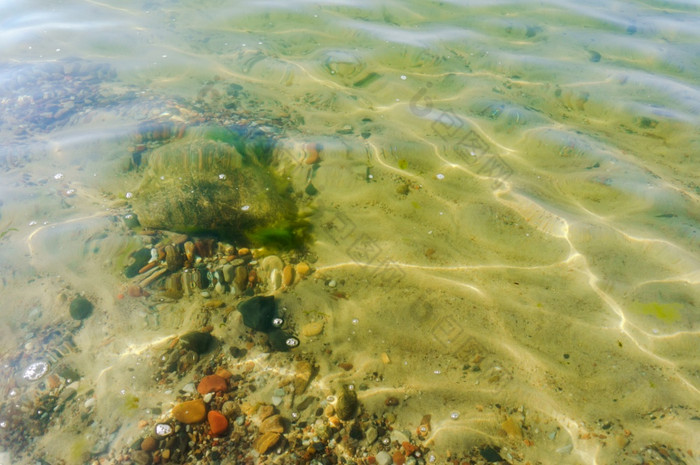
[[277, 400], [271, 262], [217, 423], [141, 457], [385, 358], [240, 279], [80, 308], [208, 397], [173, 258], [275, 279], [312, 153], [266, 411], [622, 441], [229, 409], [391, 402], [243, 251], [383, 458], [149, 444], [197, 341], [165, 454], [312, 329], [224, 373], [189, 412], [371, 435], [303, 269], [212, 383], [304, 372], [332, 283], [258, 312], [266, 442], [287, 275], [512, 429], [273, 424], [346, 405]]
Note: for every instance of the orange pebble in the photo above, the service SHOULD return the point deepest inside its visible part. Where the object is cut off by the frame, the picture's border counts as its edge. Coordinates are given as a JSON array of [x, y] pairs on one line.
[[212, 383], [217, 422], [399, 458], [224, 373], [408, 447], [312, 151]]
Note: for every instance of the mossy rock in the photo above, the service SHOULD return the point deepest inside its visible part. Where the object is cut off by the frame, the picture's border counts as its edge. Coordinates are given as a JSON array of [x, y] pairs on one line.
[[80, 308], [214, 180]]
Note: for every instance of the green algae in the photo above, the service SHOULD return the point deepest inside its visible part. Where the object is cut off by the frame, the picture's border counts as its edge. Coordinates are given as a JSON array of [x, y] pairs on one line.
[[667, 312]]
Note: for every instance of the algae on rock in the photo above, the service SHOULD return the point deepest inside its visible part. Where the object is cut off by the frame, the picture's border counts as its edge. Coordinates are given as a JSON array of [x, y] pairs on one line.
[[213, 180]]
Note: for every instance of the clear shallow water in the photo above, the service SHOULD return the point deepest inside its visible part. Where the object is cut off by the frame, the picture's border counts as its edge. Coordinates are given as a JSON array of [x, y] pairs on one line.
[[507, 196]]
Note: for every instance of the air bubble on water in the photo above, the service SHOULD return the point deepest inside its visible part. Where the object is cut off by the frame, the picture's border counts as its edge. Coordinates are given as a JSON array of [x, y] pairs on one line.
[[222, 176], [58, 176], [403, 77], [292, 342], [440, 176], [277, 322], [129, 195], [330, 399], [355, 321], [245, 208], [454, 415], [32, 223], [122, 392]]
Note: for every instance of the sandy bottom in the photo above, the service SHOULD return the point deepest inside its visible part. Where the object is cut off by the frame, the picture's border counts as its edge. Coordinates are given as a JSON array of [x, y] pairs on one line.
[[516, 330]]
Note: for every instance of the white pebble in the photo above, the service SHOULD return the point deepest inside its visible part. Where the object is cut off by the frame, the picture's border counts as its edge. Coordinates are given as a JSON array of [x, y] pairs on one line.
[[208, 397]]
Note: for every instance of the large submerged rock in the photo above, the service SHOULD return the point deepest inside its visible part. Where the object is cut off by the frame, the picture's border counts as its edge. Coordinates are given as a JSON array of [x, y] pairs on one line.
[[213, 180]]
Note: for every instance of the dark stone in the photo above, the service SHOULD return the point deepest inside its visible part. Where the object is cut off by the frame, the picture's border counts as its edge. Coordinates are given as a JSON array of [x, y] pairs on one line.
[[491, 454], [278, 340], [80, 308], [141, 258], [258, 313], [197, 341], [356, 431], [347, 403]]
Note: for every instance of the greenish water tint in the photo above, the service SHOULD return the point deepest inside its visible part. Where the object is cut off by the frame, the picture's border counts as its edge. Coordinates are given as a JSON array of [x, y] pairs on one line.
[[499, 201]]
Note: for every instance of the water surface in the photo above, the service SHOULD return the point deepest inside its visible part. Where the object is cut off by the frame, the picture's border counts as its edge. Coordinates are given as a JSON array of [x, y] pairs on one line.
[[506, 203]]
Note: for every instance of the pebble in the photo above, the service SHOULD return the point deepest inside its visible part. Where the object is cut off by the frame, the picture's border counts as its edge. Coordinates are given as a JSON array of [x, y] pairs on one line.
[[385, 358], [208, 397], [240, 279], [212, 383], [312, 329], [332, 283], [304, 371], [303, 269], [275, 279], [149, 444], [189, 412], [312, 156], [371, 434], [141, 457], [346, 406], [217, 422], [80, 308], [383, 458], [266, 442], [287, 275], [229, 409], [189, 388], [274, 424], [512, 429]]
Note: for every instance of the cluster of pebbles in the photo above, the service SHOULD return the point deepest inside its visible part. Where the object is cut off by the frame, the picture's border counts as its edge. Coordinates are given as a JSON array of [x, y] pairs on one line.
[[178, 266]]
